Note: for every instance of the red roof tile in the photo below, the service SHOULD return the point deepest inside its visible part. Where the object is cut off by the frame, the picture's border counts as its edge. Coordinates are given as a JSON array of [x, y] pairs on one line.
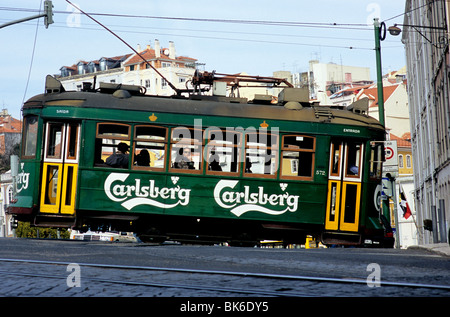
[[402, 142], [10, 125], [372, 94], [149, 54]]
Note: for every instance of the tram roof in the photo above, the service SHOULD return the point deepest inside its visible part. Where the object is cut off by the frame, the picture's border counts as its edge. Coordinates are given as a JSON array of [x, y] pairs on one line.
[[203, 106]]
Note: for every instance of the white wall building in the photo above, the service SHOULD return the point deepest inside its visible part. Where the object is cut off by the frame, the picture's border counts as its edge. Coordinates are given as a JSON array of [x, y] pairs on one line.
[[428, 64], [325, 79], [106, 69], [396, 107], [176, 69], [407, 227], [133, 70], [6, 191]]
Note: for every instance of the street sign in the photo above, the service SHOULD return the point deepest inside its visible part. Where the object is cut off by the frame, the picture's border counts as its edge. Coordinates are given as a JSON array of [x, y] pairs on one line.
[[391, 158], [391, 153]]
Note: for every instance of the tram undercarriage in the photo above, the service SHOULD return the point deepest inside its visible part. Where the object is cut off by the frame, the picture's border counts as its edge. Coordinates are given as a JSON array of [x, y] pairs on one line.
[[158, 228], [194, 230]]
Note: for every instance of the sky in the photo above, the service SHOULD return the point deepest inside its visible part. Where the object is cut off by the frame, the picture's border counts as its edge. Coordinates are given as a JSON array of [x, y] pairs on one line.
[[253, 36]]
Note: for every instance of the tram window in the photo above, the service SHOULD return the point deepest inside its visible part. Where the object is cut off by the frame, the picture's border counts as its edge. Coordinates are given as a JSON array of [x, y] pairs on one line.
[[333, 205], [30, 132], [51, 179], [298, 156], [186, 149], [112, 144], [54, 140], [72, 146], [69, 186], [149, 151], [351, 194], [376, 160], [223, 151], [353, 165], [261, 151], [113, 130], [336, 158]]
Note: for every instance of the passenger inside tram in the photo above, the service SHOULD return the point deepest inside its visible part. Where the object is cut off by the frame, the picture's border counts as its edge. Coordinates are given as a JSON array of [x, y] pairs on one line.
[[143, 158], [120, 158], [183, 159], [213, 162]]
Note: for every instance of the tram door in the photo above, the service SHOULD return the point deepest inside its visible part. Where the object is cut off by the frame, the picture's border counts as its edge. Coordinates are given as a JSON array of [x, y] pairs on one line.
[[60, 169], [344, 186]]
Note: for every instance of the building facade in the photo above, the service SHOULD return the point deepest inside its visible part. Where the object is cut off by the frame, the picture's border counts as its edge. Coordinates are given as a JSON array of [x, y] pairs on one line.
[[395, 103], [106, 69], [426, 39], [176, 69], [6, 194], [326, 79], [131, 69], [404, 182], [10, 132]]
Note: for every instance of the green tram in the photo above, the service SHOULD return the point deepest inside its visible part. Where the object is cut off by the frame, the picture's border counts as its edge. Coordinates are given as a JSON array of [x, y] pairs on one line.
[[201, 168]]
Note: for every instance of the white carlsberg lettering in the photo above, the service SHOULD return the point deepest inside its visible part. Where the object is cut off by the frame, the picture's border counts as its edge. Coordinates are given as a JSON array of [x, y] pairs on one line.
[[108, 183], [141, 193], [22, 179], [259, 201]]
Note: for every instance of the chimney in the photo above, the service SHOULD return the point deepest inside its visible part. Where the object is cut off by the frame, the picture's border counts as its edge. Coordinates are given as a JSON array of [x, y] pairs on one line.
[[171, 50], [157, 49], [139, 48]]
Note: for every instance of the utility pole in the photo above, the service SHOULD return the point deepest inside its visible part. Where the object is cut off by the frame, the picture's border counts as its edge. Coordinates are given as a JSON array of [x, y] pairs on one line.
[[47, 15], [380, 35], [378, 38]]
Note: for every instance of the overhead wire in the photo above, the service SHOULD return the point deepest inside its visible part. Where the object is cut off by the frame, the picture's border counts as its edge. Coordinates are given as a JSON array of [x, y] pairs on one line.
[[124, 42], [265, 34], [353, 26], [319, 25], [404, 13], [268, 23], [32, 56], [232, 39], [430, 29]]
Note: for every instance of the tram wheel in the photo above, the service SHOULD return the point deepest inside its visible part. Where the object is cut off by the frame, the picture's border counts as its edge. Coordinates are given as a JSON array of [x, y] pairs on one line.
[[243, 240], [152, 235]]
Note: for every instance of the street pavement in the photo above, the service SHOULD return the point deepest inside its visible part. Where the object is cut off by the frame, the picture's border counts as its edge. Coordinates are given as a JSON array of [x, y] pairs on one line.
[[438, 248], [418, 264]]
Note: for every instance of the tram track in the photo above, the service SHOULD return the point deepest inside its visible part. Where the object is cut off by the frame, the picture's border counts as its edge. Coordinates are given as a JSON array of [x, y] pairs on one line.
[[279, 289]]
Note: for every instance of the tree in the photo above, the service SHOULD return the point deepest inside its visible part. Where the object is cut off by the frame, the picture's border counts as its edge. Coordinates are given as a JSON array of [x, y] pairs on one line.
[[5, 159], [24, 230]]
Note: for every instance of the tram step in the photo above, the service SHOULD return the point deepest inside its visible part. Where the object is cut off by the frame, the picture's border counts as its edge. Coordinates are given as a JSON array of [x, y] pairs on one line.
[[341, 238], [61, 221]]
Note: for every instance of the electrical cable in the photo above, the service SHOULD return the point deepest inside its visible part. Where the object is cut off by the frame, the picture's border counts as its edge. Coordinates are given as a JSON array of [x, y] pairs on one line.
[[352, 47], [232, 39], [32, 56], [353, 26], [265, 34], [399, 15]]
